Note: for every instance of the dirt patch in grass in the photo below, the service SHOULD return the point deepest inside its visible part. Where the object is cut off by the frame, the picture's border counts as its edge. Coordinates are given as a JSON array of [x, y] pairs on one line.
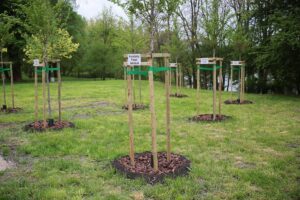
[[6, 164], [8, 125], [237, 101], [108, 112], [11, 110], [244, 165], [293, 145], [208, 118], [96, 104], [178, 95], [135, 106], [239, 163], [99, 104], [137, 195], [38, 126], [178, 166], [81, 116]]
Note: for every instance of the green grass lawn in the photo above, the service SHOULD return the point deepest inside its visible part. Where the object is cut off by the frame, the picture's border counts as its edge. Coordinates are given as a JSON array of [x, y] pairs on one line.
[[254, 155]]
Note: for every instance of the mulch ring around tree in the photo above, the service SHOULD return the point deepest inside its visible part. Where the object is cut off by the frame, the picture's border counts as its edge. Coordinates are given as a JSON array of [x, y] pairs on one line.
[[38, 126], [135, 106], [237, 101], [208, 118], [178, 166], [178, 95], [11, 110]]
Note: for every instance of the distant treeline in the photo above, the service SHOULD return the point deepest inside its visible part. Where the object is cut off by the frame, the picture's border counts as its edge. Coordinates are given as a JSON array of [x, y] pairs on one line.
[[266, 34]]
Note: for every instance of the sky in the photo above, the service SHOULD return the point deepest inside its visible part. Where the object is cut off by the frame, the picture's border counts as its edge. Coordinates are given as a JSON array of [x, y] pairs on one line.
[[92, 8]]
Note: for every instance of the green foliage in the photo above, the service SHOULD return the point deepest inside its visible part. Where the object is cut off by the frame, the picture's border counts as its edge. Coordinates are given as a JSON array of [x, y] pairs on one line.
[[60, 46], [6, 33], [48, 41], [107, 39], [215, 24]]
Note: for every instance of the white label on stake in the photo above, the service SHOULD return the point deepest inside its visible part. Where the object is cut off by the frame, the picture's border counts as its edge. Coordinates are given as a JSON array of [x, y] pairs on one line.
[[134, 59], [173, 64], [36, 62], [235, 63], [204, 61]]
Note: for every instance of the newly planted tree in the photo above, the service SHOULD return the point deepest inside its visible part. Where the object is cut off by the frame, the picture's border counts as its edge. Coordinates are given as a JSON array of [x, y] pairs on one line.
[[5, 37], [48, 42]]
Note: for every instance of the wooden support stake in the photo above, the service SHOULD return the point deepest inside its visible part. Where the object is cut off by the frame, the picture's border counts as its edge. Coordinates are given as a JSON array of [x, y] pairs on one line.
[[140, 86], [153, 119], [44, 97], [231, 77], [59, 91], [170, 80], [133, 86], [220, 88], [3, 86], [3, 82], [125, 86], [48, 91], [36, 95], [243, 82], [214, 91], [12, 85], [177, 79], [180, 80], [168, 117], [130, 120], [198, 91], [240, 83]]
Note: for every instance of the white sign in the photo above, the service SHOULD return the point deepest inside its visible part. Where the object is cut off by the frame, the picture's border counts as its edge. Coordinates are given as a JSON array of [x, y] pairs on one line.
[[204, 61], [36, 62], [173, 64], [235, 63], [134, 59]]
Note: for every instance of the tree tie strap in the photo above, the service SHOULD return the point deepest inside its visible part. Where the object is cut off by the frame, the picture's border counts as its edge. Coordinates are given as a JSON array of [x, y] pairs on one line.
[[47, 69], [158, 69], [151, 68], [236, 68], [209, 68], [4, 69], [137, 72]]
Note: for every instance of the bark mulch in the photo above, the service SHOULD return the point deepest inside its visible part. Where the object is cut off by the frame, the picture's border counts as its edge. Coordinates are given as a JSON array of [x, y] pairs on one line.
[[11, 110], [38, 126], [178, 95], [135, 107], [237, 101], [178, 166], [208, 118]]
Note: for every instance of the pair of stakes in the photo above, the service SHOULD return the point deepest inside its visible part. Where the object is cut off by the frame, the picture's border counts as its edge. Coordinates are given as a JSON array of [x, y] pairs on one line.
[[3, 70], [42, 68], [240, 67], [178, 77], [210, 64], [214, 64], [150, 71]]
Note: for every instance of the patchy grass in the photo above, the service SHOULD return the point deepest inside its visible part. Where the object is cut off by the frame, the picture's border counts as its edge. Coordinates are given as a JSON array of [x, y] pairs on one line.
[[254, 155]]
